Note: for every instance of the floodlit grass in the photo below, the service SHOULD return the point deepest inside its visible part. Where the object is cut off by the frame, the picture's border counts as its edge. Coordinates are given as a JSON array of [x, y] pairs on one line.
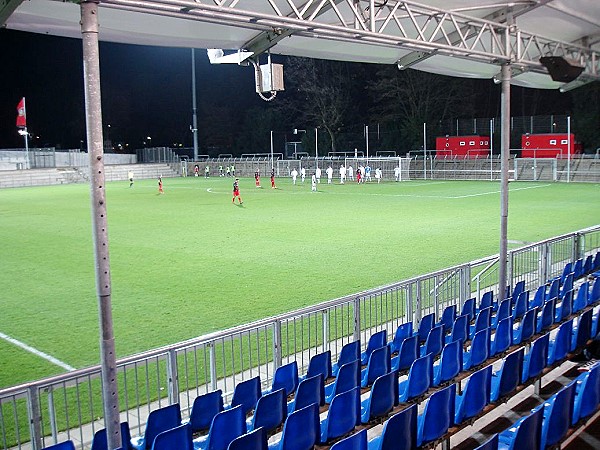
[[189, 262]]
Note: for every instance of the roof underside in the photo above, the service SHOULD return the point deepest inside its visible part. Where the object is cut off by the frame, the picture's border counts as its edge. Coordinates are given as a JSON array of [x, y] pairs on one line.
[[450, 37]]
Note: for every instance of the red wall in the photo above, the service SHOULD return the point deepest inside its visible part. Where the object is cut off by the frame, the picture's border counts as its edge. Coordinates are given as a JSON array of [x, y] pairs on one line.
[[462, 146], [551, 145]]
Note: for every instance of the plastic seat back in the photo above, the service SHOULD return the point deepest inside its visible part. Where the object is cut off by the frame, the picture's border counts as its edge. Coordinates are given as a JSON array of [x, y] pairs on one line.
[[567, 285], [160, 420], [246, 394], [450, 364], [310, 390], [225, 427], [383, 397], [320, 364], [490, 444], [379, 364], [65, 445], [358, 441], [587, 394], [566, 271], [538, 298], [508, 377], [546, 320], [587, 264], [565, 308], [460, 329], [583, 332], [376, 341], [559, 347], [479, 351], [100, 441], [399, 431], [270, 412], [503, 312], [448, 318], [179, 437], [503, 336], [475, 395], [469, 309], [526, 328], [343, 415], [438, 415], [409, 351], [434, 341], [255, 440], [347, 378], [301, 429], [525, 434], [286, 378], [521, 305], [403, 332], [483, 321], [419, 380], [519, 287], [581, 299], [595, 293], [535, 361], [596, 263], [578, 268], [204, 409], [552, 291], [349, 353], [558, 411], [425, 325], [487, 300]]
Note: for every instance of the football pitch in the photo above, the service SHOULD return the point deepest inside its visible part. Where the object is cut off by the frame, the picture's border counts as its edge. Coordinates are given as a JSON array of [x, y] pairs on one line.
[[188, 262]]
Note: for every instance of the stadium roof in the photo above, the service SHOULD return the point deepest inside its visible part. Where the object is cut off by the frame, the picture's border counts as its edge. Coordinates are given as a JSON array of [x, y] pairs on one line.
[[463, 38]]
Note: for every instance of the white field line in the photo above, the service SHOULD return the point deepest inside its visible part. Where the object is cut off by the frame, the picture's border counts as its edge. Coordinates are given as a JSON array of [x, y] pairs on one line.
[[36, 352], [497, 192]]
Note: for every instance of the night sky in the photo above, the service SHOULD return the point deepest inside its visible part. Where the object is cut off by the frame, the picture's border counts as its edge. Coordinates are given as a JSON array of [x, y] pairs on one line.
[[146, 91]]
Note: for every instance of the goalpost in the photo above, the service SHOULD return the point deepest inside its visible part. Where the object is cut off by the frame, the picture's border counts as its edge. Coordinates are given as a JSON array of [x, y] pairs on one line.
[[393, 168]]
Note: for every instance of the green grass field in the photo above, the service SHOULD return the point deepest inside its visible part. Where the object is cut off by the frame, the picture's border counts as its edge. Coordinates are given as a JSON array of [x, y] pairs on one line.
[[189, 262]]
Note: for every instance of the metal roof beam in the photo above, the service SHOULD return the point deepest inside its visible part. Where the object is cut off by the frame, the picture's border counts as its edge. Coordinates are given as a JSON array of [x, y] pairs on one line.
[[7, 7]]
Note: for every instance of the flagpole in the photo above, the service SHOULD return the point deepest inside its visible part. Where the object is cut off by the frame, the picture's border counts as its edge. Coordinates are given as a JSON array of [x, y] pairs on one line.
[[26, 135]]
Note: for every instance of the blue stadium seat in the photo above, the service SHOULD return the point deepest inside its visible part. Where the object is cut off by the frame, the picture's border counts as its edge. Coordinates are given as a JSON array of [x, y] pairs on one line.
[[347, 378], [508, 377], [553, 289], [565, 308], [503, 337], [420, 377], [246, 394], [319, 364], [587, 394], [382, 397], [409, 351], [582, 331], [358, 441], [479, 350], [310, 390], [399, 432], [566, 286], [255, 440], [225, 427], [596, 263], [490, 444], [536, 359], [587, 264], [204, 409], [343, 415], [546, 318], [469, 309], [525, 434], [425, 325], [377, 340], [448, 318], [438, 415], [595, 292], [379, 364], [402, 332], [520, 307], [475, 395], [566, 271], [460, 330], [450, 364], [560, 345], [578, 269], [487, 300], [581, 299], [100, 442], [179, 437], [270, 412], [65, 445], [159, 420], [503, 312], [519, 287], [526, 328], [483, 321], [558, 411], [349, 353], [286, 378], [434, 342], [539, 298], [300, 431]]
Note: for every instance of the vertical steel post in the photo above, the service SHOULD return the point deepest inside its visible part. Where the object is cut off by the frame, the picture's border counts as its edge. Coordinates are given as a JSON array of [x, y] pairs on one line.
[[568, 149], [93, 110], [212, 361], [325, 330], [506, 74], [425, 150], [277, 350], [356, 333], [194, 107], [35, 418], [173, 377]]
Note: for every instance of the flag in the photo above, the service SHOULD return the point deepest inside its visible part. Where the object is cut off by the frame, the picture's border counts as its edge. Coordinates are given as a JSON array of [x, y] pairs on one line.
[[21, 116]]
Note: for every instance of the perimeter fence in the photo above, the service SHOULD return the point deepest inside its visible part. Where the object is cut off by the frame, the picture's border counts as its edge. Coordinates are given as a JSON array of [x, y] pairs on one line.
[[69, 406]]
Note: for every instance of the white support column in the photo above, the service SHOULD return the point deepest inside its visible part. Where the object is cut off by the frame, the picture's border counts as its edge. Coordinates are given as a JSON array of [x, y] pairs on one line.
[[505, 151]]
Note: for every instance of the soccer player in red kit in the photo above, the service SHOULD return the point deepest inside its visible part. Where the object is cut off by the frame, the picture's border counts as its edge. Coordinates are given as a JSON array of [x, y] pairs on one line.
[[273, 179], [236, 192], [160, 188], [257, 178]]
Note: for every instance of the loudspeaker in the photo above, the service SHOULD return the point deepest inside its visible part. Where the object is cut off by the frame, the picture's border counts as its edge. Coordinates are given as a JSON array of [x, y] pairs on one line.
[[560, 69]]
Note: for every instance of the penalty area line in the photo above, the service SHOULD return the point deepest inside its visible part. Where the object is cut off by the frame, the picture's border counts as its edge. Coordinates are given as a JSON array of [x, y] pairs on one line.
[[37, 352]]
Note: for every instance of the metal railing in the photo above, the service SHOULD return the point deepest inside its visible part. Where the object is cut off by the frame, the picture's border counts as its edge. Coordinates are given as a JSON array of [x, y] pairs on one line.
[[69, 406]]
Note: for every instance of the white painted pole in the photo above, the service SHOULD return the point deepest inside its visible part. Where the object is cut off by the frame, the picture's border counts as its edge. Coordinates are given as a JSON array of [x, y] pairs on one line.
[[194, 108], [568, 149], [271, 149], [316, 147], [424, 150], [26, 136], [506, 75], [367, 141], [491, 149]]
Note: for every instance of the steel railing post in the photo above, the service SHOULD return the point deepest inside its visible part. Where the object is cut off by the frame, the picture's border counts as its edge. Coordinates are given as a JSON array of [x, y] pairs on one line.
[[173, 377], [35, 418]]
